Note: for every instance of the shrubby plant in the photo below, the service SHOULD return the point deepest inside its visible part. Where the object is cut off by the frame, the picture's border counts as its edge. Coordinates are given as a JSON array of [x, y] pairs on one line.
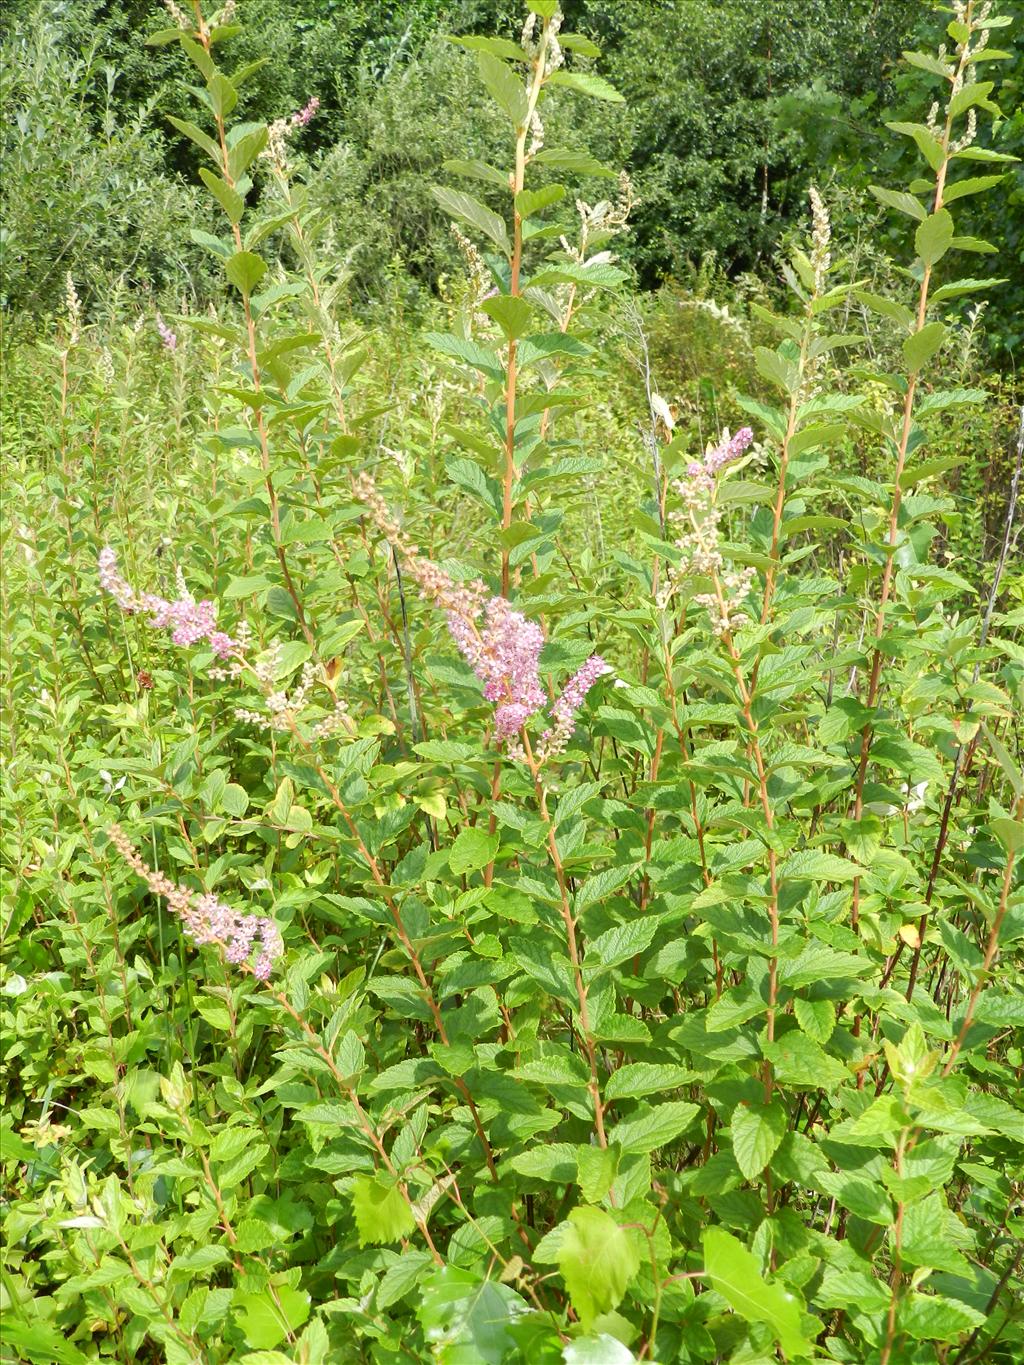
[[479, 899]]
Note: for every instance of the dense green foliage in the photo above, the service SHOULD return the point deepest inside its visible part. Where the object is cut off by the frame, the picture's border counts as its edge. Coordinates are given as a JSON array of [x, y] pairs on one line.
[[731, 110], [498, 868]]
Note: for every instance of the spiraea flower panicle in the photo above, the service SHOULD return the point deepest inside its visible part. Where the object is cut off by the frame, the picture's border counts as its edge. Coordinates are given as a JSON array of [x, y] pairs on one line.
[[206, 920], [188, 621]]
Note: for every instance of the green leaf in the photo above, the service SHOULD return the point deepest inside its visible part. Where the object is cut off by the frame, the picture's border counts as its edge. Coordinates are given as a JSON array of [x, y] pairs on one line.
[[757, 1130], [817, 1018], [976, 93], [498, 47], [815, 865], [511, 312], [899, 199], [636, 1079], [245, 270], [540, 346], [921, 345], [928, 144], [468, 475], [529, 202], [473, 849], [587, 84], [620, 942], [462, 348], [973, 244], [655, 1127], [577, 163], [477, 170], [933, 237], [958, 189], [381, 1213], [41, 1343], [927, 62], [467, 1320], [957, 288], [505, 87], [799, 1060], [471, 211], [889, 308], [201, 139], [576, 42], [600, 1349], [735, 1274], [553, 1161], [778, 371], [265, 1320], [598, 1260], [931, 1317]]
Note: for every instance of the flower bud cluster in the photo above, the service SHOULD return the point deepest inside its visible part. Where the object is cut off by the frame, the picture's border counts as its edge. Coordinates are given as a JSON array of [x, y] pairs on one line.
[[284, 708], [563, 710], [282, 129]]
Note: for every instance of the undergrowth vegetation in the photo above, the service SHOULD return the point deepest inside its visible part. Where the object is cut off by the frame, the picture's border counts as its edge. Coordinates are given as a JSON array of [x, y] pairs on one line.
[[513, 828]]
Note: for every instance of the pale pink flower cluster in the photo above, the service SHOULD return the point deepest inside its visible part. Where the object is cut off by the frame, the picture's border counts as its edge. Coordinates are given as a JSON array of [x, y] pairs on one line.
[[728, 450], [505, 656], [167, 336], [305, 115], [503, 650], [207, 920], [188, 621], [564, 709], [699, 516]]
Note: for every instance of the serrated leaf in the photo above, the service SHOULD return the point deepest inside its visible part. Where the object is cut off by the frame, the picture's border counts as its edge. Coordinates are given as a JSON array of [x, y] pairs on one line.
[[265, 1320], [957, 288], [757, 1130], [637, 1079], [815, 865], [468, 1320], [928, 144], [229, 199], [587, 84], [477, 170], [620, 942], [817, 1018], [473, 849], [381, 1212], [899, 199], [575, 162], [921, 345], [656, 1127], [529, 202], [598, 1261], [511, 312], [934, 236], [735, 1274], [463, 348], [478, 215], [505, 87], [196, 135], [245, 270]]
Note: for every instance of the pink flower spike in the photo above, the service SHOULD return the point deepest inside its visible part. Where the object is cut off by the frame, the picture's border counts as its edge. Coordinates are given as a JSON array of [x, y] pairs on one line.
[[564, 709], [189, 621], [305, 116], [167, 336], [207, 920], [729, 449], [505, 656]]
